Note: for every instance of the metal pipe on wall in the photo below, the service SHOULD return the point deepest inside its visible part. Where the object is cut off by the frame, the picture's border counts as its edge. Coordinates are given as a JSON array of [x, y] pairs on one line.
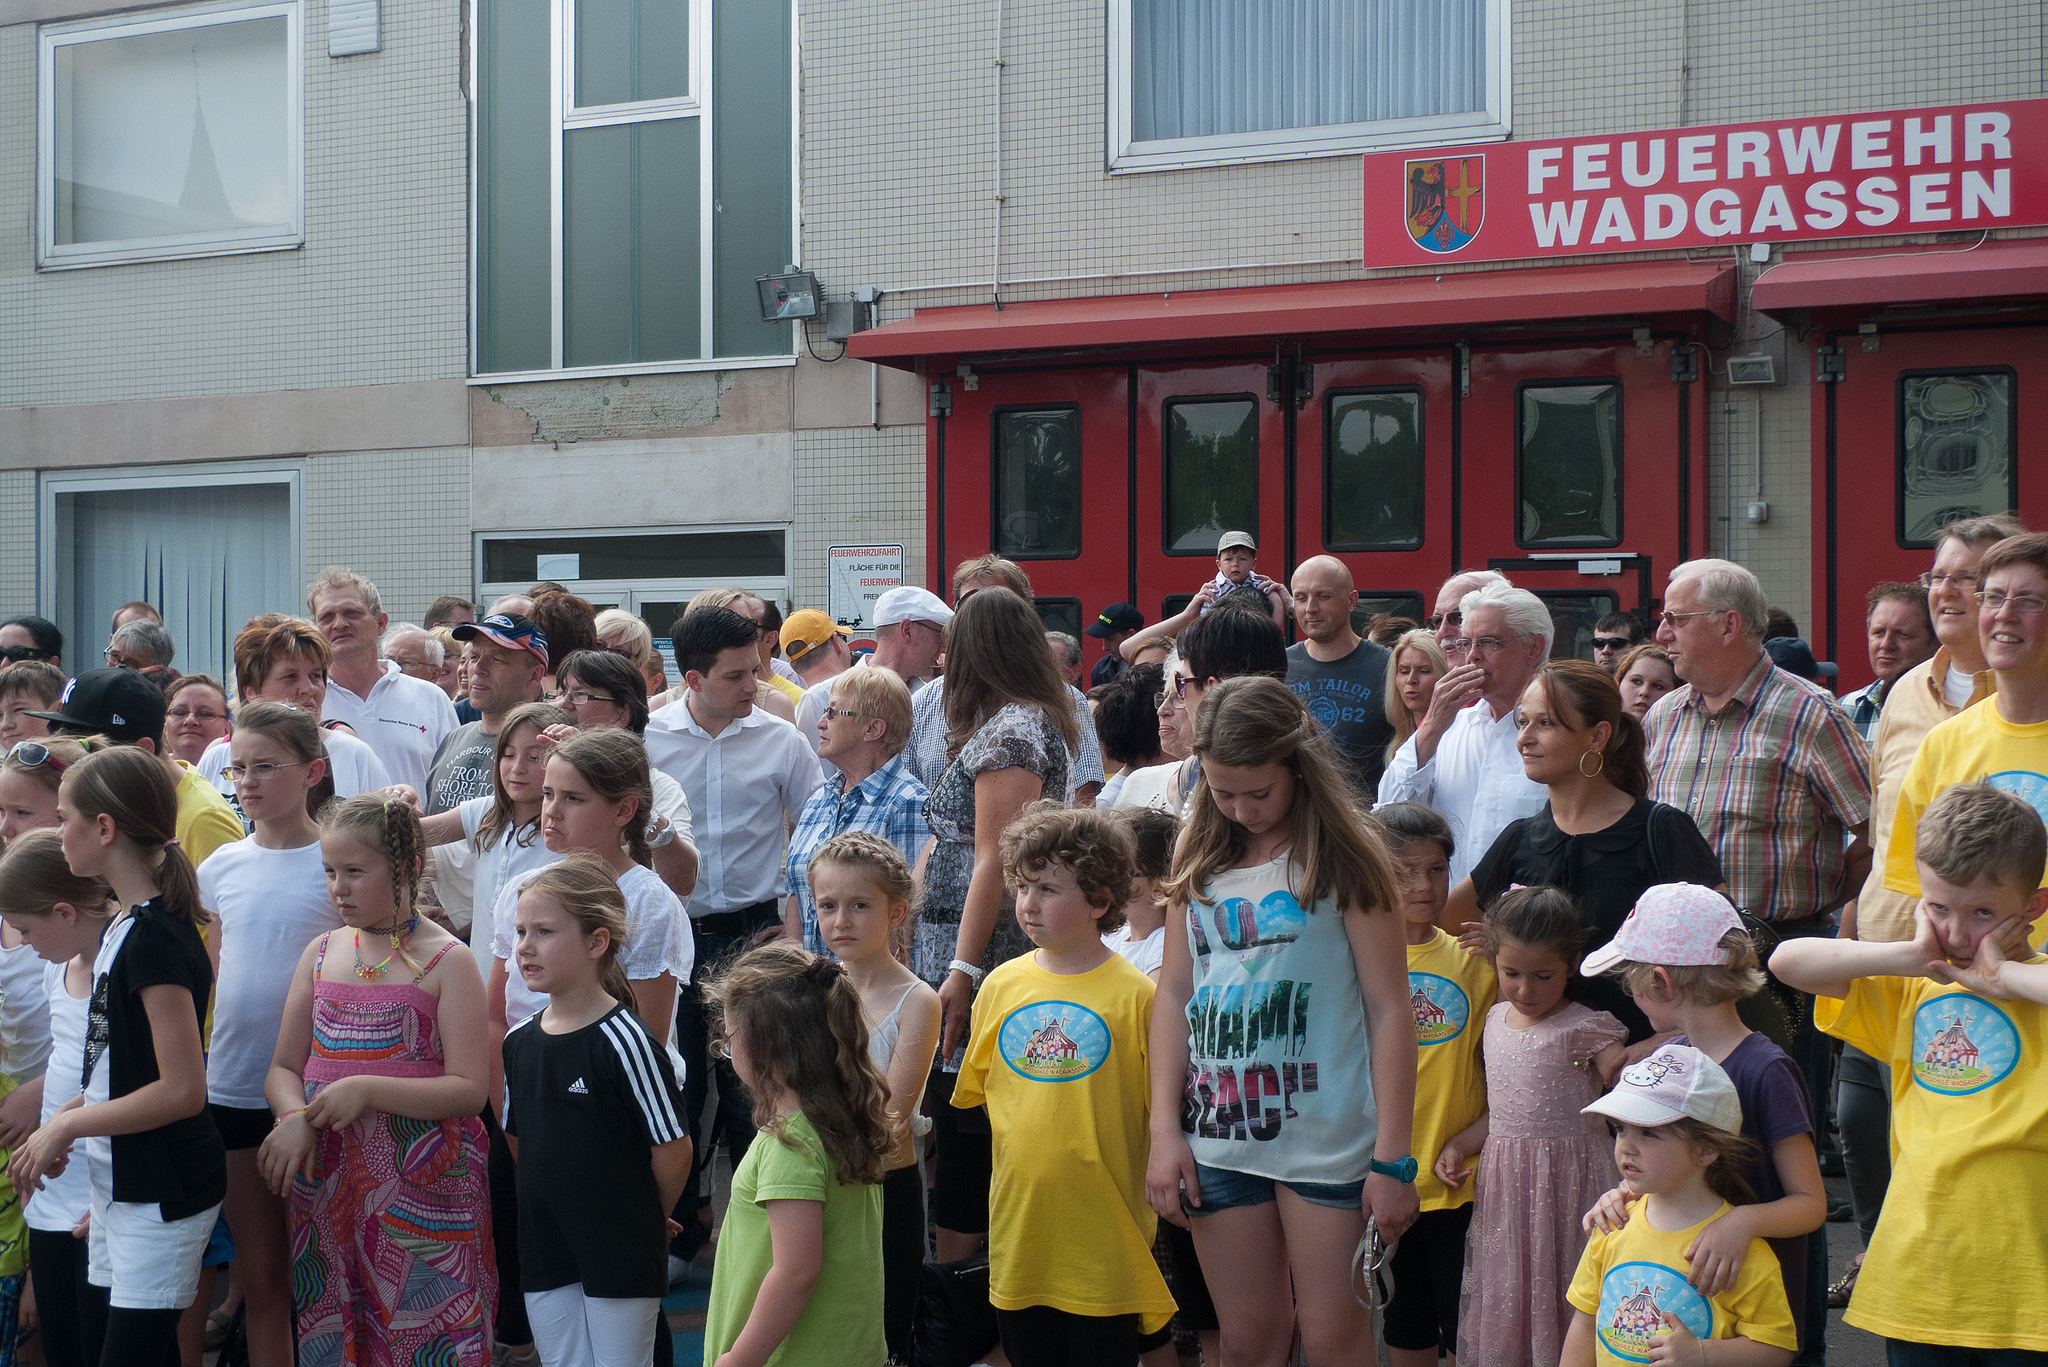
[[995, 269]]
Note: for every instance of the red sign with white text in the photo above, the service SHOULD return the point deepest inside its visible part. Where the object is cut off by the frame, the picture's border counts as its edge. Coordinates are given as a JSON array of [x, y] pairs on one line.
[[1958, 167]]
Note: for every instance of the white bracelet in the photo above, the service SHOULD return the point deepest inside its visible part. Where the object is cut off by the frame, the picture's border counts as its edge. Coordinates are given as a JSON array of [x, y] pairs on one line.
[[973, 971]]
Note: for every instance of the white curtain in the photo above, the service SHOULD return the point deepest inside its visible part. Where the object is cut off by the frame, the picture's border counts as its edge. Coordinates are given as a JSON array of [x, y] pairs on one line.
[[1207, 67], [209, 558]]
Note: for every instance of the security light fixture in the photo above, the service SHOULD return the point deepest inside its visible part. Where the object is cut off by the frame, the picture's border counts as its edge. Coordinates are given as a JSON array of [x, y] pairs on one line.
[[790, 297]]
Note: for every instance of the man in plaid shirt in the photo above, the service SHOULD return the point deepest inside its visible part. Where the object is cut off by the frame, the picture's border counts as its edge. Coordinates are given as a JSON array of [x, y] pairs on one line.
[[1776, 777]]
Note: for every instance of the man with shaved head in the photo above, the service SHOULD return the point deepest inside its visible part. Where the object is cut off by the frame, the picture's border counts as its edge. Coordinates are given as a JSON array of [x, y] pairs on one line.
[[1339, 675]]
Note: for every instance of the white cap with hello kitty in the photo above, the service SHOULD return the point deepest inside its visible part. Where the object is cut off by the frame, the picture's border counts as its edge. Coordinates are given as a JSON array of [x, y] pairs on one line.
[[1678, 1081]]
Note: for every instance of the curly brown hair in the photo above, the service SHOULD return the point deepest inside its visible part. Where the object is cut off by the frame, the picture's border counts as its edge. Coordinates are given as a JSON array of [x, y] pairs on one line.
[[801, 1020], [1095, 845]]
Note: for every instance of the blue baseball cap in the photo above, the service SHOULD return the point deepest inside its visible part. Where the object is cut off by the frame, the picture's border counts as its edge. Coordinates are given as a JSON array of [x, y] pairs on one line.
[[508, 629]]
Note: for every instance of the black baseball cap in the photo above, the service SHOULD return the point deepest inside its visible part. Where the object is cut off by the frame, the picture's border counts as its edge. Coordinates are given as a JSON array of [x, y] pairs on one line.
[[1794, 656], [118, 703], [1115, 618]]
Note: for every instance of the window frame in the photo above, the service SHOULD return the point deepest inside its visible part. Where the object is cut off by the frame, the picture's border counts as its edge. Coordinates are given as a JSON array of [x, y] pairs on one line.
[[1330, 398], [566, 117], [1166, 407], [50, 255], [1123, 154], [995, 483], [2012, 441], [1620, 460]]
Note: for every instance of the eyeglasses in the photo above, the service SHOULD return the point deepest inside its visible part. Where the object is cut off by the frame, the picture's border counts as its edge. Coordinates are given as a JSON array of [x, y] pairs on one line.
[[583, 697], [1436, 623], [116, 660], [2026, 604], [1612, 643], [1178, 690], [1479, 645], [257, 773], [33, 753], [191, 714], [1961, 579], [832, 712], [14, 655], [1672, 619]]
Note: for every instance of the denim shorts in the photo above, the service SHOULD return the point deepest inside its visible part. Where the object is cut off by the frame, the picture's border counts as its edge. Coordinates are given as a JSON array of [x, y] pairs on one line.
[[1222, 1189]]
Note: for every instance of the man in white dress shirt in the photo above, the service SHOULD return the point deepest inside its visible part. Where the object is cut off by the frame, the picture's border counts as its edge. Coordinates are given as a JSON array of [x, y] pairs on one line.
[[402, 718], [1462, 759], [747, 775]]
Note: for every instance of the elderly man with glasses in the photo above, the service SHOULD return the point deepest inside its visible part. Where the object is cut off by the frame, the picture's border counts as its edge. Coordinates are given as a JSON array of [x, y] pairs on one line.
[[1462, 760]]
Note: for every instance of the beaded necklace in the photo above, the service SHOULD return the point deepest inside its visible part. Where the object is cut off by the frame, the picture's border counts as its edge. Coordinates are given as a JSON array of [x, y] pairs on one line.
[[399, 934]]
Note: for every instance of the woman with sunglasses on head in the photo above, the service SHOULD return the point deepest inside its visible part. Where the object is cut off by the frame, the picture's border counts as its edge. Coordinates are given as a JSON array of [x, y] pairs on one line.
[[196, 716]]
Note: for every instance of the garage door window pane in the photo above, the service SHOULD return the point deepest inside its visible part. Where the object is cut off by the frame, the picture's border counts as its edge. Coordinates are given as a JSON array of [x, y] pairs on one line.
[[1955, 451], [629, 243], [1568, 465], [1038, 483], [1372, 475], [178, 136], [628, 50], [1211, 460]]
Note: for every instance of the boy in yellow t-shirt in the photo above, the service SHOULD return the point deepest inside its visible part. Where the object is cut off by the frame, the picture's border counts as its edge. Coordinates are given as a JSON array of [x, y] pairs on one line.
[[1957, 1255], [1058, 1053], [1451, 991]]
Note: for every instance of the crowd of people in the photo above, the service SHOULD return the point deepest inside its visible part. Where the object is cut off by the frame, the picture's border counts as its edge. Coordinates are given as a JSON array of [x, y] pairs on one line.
[[389, 1001]]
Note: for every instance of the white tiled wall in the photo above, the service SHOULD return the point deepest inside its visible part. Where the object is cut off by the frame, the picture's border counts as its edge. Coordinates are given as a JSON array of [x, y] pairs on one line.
[[855, 485], [378, 294], [400, 517]]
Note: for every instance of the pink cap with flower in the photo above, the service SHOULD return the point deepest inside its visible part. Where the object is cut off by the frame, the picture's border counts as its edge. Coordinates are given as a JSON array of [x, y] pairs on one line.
[[1676, 925]]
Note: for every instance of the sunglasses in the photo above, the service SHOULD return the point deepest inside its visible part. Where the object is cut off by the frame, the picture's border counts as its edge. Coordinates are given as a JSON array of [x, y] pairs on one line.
[[33, 754], [1435, 623], [14, 655], [1612, 642]]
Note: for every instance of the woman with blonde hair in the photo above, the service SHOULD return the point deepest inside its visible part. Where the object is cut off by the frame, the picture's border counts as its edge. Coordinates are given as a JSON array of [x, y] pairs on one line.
[[1414, 663], [623, 633]]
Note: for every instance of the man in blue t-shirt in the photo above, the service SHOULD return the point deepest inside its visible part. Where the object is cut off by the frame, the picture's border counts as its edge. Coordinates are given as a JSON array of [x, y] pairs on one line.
[[1339, 675]]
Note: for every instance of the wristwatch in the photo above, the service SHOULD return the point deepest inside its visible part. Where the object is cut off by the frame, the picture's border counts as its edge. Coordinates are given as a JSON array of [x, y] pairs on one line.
[[973, 971], [1402, 1171]]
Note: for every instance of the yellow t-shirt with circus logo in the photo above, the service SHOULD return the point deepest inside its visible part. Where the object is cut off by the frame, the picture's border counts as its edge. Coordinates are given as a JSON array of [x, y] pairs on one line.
[[1630, 1279], [1060, 1060], [1451, 992], [1960, 1242]]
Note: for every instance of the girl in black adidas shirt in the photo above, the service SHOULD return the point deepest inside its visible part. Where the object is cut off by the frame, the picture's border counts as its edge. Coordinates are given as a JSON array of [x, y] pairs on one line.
[[156, 1162], [596, 1119]]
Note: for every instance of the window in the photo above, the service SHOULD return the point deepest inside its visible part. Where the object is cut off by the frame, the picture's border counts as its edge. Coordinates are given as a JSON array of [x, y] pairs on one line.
[[1957, 434], [1568, 465], [169, 134], [210, 547], [1211, 471], [1572, 615], [1372, 471], [1396, 604], [1213, 82], [1060, 614], [634, 175], [1037, 484]]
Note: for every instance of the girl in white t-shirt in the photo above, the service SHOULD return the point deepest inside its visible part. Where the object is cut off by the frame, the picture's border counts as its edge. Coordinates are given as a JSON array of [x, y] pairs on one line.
[[1283, 1014], [1142, 937], [502, 828], [36, 882], [269, 893]]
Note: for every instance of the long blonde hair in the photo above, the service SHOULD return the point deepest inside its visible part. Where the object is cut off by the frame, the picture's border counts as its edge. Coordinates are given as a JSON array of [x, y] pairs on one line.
[[583, 886], [800, 1017], [1390, 694], [502, 817], [1253, 720]]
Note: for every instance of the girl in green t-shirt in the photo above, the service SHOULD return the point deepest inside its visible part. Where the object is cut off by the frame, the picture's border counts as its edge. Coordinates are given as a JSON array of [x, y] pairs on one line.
[[799, 1272]]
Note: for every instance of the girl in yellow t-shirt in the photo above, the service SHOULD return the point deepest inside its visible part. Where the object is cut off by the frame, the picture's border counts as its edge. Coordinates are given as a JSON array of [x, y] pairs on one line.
[[1678, 1142]]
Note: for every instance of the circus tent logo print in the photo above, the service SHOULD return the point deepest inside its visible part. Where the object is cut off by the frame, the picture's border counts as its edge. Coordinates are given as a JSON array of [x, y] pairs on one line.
[[1053, 1041], [1441, 1008], [1962, 1044], [1635, 1298]]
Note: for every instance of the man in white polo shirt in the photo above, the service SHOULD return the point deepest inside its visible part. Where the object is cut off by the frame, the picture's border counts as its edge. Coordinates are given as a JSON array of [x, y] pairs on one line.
[[747, 775], [401, 718], [910, 629]]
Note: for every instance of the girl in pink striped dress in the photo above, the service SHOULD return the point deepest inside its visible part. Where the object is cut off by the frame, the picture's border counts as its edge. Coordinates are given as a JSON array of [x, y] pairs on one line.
[[378, 1080]]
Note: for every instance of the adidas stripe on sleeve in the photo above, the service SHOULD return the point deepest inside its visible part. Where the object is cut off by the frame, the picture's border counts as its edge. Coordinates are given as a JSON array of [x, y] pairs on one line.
[[648, 1077]]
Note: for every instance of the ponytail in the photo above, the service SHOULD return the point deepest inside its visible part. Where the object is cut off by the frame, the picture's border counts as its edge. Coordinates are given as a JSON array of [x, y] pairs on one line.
[[583, 886], [614, 763], [130, 786]]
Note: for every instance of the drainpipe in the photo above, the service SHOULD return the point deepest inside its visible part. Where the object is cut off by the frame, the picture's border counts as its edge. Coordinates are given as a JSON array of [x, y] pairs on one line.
[[995, 270]]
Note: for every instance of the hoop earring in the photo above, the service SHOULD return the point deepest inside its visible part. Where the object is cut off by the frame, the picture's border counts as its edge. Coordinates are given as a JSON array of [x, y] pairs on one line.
[[1598, 769]]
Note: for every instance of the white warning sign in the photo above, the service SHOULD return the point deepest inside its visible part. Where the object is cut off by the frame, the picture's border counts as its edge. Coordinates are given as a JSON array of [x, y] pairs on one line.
[[858, 575]]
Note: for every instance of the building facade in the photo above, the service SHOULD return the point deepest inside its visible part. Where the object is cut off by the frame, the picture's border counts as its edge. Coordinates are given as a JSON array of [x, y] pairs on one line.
[[464, 296]]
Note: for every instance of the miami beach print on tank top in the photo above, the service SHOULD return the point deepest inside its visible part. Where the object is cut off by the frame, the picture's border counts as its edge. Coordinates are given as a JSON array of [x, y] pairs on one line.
[[1279, 1059]]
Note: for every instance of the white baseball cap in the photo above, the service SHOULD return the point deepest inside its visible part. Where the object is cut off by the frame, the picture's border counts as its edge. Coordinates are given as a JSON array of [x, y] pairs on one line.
[[1673, 924], [1677, 1081], [908, 603]]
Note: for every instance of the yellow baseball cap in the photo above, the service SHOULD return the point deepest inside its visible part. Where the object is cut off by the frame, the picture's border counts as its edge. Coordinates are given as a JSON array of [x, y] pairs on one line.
[[805, 630]]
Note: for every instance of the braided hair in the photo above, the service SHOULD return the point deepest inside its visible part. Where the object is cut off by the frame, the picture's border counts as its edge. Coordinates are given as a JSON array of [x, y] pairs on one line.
[[392, 826]]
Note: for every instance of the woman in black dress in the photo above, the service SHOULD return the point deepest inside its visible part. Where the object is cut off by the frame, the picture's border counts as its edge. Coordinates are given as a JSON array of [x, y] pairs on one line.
[[1598, 837]]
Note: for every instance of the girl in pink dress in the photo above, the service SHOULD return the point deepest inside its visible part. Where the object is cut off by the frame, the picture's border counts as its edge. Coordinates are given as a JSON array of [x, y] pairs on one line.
[[377, 1083], [1542, 1160]]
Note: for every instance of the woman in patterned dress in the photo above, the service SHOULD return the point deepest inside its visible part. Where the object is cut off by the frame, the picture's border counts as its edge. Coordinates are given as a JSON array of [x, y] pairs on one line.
[[378, 1079]]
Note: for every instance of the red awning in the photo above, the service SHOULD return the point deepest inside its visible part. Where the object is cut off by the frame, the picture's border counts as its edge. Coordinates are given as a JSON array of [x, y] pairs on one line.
[[2003, 270], [1420, 304]]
